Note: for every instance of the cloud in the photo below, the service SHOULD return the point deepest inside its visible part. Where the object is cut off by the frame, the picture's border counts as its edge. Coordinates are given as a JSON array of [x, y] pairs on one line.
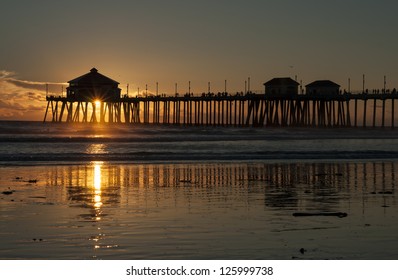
[[10, 105], [35, 96], [22, 99], [35, 85], [27, 84], [5, 74]]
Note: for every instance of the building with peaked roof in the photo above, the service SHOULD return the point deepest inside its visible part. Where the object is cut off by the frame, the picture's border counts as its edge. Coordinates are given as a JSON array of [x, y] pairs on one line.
[[322, 88], [283, 87], [93, 86]]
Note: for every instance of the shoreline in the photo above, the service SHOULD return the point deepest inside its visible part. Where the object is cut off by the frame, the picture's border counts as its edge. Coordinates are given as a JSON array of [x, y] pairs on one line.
[[34, 163]]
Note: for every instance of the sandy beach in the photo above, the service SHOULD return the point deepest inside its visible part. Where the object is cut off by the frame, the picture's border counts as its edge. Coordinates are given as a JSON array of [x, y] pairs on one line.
[[232, 210]]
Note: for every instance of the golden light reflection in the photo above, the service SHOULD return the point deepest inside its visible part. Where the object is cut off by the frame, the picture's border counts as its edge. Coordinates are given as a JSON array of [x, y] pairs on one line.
[[97, 186], [96, 149]]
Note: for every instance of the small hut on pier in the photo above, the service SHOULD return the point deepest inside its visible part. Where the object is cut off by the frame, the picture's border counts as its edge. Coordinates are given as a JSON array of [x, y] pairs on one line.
[[322, 88], [93, 86], [281, 87]]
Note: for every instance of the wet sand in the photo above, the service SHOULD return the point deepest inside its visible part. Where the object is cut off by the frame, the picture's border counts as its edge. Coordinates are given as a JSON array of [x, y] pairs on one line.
[[199, 211]]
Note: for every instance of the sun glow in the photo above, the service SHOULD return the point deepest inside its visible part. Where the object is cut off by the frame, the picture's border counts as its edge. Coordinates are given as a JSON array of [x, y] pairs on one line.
[[97, 103]]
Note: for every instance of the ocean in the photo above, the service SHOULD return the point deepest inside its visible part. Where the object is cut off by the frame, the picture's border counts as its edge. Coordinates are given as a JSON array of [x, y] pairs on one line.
[[38, 143], [120, 191]]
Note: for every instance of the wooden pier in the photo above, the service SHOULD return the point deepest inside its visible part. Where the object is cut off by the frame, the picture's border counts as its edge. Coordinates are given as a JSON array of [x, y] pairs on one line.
[[223, 109]]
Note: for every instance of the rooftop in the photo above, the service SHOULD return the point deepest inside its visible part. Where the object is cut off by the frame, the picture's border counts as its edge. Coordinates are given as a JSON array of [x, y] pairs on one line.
[[281, 82], [92, 78], [322, 83]]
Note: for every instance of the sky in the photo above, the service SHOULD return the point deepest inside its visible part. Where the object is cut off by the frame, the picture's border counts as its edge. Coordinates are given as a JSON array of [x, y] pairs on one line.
[[175, 41]]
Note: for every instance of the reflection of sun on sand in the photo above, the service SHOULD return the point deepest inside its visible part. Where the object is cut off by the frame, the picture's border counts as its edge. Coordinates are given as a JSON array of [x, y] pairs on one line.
[[97, 186]]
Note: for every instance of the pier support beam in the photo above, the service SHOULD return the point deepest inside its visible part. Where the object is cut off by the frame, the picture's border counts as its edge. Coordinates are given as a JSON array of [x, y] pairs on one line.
[[220, 110]]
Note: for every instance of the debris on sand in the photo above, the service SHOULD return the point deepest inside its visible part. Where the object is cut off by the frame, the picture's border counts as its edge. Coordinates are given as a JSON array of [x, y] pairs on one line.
[[334, 214], [386, 192], [330, 174], [383, 192], [8, 192], [185, 181]]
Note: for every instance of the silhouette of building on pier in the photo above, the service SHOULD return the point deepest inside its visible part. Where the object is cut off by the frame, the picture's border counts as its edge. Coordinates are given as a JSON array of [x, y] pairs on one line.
[[322, 88], [94, 98], [93, 86], [281, 87]]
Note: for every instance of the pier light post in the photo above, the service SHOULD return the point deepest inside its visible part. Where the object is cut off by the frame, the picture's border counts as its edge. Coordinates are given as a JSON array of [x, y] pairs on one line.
[[157, 88], [208, 87], [363, 83], [189, 87], [349, 85], [225, 86], [385, 84]]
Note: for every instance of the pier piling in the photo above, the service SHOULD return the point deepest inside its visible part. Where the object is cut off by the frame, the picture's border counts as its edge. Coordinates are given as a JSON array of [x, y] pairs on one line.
[[228, 110]]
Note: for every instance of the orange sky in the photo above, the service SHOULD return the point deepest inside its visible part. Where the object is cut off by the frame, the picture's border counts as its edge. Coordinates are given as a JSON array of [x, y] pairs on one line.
[[144, 42]]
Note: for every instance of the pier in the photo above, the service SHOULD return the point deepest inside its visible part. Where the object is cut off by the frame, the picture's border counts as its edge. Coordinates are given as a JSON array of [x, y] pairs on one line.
[[95, 98], [345, 110]]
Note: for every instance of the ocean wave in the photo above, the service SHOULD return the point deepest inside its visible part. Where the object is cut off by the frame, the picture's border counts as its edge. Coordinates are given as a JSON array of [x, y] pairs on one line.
[[37, 142]]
